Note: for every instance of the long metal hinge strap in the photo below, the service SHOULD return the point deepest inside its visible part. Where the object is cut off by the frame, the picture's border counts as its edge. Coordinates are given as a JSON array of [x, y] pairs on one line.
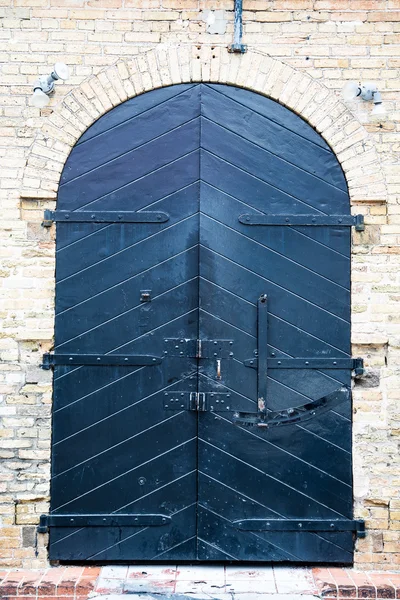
[[126, 360], [102, 520], [335, 525], [124, 216], [262, 352], [355, 364], [356, 221]]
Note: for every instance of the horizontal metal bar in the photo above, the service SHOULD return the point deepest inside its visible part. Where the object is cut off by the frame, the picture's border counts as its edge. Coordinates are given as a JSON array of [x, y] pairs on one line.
[[126, 360], [313, 220], [102, 520], [191, 348], [307, 363], [65, 216], [300, 525], [212, 401]]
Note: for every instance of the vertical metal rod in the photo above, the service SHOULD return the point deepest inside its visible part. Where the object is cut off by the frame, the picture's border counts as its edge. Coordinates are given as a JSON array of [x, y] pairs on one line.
[[237, 45], [262, 352]]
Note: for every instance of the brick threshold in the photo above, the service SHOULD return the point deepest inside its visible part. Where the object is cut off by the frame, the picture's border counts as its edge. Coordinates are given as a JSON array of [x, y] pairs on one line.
[[81, 583]]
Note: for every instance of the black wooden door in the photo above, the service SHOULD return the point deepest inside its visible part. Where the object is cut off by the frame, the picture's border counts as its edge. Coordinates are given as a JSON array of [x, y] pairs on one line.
[[202, 362]]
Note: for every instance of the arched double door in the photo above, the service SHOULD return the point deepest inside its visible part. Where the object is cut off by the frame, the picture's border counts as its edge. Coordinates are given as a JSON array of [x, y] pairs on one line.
[[202, 368]]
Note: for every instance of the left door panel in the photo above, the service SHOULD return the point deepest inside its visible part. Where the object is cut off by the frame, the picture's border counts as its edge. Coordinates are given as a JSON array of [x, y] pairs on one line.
[[122, 289]]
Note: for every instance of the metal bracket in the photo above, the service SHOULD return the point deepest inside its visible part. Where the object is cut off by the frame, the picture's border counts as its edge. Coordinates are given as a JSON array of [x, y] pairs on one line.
[[102, 520], [356, 221], [66, 216], [355, 364], [357, 525], [297, 414], [187, 348], [123, 360], [197, 401]]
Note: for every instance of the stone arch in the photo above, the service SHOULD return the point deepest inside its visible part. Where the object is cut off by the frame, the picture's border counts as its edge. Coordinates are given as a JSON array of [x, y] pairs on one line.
[[164, 66]]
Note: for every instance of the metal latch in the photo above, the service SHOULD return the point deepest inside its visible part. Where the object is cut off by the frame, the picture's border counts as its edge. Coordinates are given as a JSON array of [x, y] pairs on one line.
[[197, 401]]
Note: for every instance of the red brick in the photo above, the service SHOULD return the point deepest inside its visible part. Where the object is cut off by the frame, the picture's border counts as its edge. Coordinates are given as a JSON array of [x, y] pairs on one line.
[[29, 584], [48, 584]]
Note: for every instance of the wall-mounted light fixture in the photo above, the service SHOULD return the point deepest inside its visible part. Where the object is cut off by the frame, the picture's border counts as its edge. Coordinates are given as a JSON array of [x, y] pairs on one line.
[[366, 91], [44, 86]]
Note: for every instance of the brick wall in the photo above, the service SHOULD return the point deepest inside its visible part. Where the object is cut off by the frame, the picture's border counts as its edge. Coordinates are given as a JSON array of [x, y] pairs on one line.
[[314, 47]]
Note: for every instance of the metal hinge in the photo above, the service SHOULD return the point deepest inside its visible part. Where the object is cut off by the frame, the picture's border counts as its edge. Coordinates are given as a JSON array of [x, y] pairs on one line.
[[335, 525], [356, 221], [102, 520], [83, 216]]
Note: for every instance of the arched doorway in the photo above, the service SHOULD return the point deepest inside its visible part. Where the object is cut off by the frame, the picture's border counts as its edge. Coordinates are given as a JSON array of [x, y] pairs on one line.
[[202, 405]]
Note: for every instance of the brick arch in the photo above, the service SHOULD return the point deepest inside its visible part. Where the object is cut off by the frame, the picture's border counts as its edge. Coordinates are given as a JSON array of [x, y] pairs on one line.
[[162, 66]]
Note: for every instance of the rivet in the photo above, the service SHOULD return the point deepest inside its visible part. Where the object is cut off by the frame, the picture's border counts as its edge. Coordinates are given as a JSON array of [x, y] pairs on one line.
[[180, 353], [125, 359], [300, 525], [93, 216], [247, 218], [67, 216], [287, 220], [307, 362], [279, 362], [166, 406], [227, 408], [230, 353], [332, 525], [334, 362], [252, 362], [231, 343], [181, 393], [313, 220], [228, 395], [154, 359], [98, 358], [272, 353], [165, 393], [119, 216], [215, 354], [70, 358]]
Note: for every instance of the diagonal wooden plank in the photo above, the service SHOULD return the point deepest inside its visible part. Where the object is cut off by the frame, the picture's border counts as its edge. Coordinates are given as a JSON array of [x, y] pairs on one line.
[[272, 137]]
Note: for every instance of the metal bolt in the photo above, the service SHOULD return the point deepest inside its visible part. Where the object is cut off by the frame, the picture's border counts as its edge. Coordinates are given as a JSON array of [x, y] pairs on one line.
[[141, 481], [307, 362], [300, 525], [70, 358], [119, 216], [98, 358], [272, 353], [230, 353], [252, 362], [125, 359]]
